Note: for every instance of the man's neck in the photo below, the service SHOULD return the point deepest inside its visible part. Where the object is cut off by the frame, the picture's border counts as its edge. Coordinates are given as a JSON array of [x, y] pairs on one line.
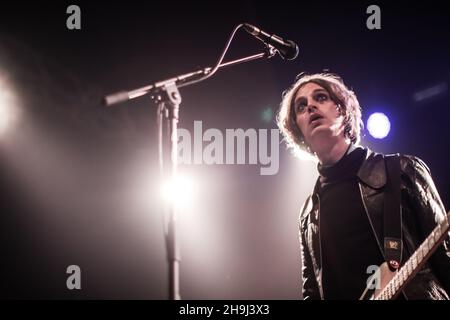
[[331, 153]]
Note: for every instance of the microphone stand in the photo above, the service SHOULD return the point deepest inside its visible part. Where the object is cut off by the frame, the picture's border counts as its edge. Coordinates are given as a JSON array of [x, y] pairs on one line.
[[168, 99]]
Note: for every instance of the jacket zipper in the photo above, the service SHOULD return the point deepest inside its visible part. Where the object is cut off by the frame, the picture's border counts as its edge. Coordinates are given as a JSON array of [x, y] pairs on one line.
[[370, 221], [320, 253]]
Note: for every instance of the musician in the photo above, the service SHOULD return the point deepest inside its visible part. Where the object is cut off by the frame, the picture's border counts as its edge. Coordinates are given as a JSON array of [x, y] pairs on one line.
[[341, 223]]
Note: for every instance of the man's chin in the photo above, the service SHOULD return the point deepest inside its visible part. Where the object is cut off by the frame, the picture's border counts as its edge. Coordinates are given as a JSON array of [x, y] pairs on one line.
[[320, 133], [319, 129]]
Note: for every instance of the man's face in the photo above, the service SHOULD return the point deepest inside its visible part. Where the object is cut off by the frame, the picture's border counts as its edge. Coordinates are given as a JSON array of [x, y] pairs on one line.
[[317, 116]]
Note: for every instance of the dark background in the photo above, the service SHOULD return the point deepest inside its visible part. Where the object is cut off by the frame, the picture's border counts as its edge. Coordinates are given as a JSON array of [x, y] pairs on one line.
[[79, 180]]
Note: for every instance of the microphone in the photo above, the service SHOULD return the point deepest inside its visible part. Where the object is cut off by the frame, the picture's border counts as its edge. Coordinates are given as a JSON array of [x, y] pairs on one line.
[[286, 48]]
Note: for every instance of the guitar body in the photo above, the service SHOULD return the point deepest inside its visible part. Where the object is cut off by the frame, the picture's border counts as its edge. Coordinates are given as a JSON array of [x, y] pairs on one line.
[[377, 282], [385, 276], [387, 285]]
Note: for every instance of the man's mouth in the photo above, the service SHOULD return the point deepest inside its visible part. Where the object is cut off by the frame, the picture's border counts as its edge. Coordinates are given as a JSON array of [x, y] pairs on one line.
[[314, 117]]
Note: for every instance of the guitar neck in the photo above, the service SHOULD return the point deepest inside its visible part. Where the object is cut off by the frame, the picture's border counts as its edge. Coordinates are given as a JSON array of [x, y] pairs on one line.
[[415, 262]]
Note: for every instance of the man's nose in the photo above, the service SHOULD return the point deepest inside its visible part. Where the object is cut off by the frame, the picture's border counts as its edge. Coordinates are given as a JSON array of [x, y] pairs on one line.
[[311, 108]]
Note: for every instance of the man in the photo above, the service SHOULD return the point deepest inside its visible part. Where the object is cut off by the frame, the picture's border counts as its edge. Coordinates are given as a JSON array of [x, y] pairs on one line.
[[342, 228]]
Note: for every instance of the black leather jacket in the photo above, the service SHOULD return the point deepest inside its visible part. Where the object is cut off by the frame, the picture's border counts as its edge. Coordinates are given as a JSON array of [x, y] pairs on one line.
[[422, 209]]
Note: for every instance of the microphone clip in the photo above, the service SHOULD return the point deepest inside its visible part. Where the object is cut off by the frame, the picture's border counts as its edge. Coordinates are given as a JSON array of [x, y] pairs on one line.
[[270, 50]]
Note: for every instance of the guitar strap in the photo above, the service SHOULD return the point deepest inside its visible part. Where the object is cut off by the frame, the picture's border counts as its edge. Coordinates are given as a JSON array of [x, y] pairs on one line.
[[393, 244]]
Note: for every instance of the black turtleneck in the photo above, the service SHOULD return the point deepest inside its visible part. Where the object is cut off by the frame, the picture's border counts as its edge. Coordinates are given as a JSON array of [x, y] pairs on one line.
[[347, 240]]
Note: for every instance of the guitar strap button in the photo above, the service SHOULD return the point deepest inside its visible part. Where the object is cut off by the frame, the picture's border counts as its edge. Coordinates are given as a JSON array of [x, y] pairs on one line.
[[394, 264]]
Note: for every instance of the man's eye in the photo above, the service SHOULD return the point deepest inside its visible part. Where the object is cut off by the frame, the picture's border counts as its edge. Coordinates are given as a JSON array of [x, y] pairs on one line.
[[300, 107], [322, 97]]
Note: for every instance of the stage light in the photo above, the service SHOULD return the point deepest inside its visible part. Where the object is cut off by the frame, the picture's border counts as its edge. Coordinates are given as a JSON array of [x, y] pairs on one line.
[[8, 107], [430, 92], [378, 125], [180, 191]]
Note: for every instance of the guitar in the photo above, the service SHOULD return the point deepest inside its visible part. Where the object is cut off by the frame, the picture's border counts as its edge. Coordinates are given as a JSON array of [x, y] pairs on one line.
[[391, 283]]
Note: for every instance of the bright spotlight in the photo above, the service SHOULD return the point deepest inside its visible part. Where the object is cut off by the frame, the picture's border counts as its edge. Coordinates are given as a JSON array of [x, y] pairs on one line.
[[8, 107], [180, 191], [378, 125]]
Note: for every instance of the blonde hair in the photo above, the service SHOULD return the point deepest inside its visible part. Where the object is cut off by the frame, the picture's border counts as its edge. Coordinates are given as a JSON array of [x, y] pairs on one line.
[[344, 98]]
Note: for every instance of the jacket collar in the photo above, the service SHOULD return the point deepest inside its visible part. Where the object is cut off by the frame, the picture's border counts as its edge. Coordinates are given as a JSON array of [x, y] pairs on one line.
[[372, 171]]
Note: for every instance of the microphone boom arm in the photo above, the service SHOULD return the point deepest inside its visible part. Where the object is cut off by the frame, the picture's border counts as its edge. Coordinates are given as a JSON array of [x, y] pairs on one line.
[[188, 78], [181, 80]]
